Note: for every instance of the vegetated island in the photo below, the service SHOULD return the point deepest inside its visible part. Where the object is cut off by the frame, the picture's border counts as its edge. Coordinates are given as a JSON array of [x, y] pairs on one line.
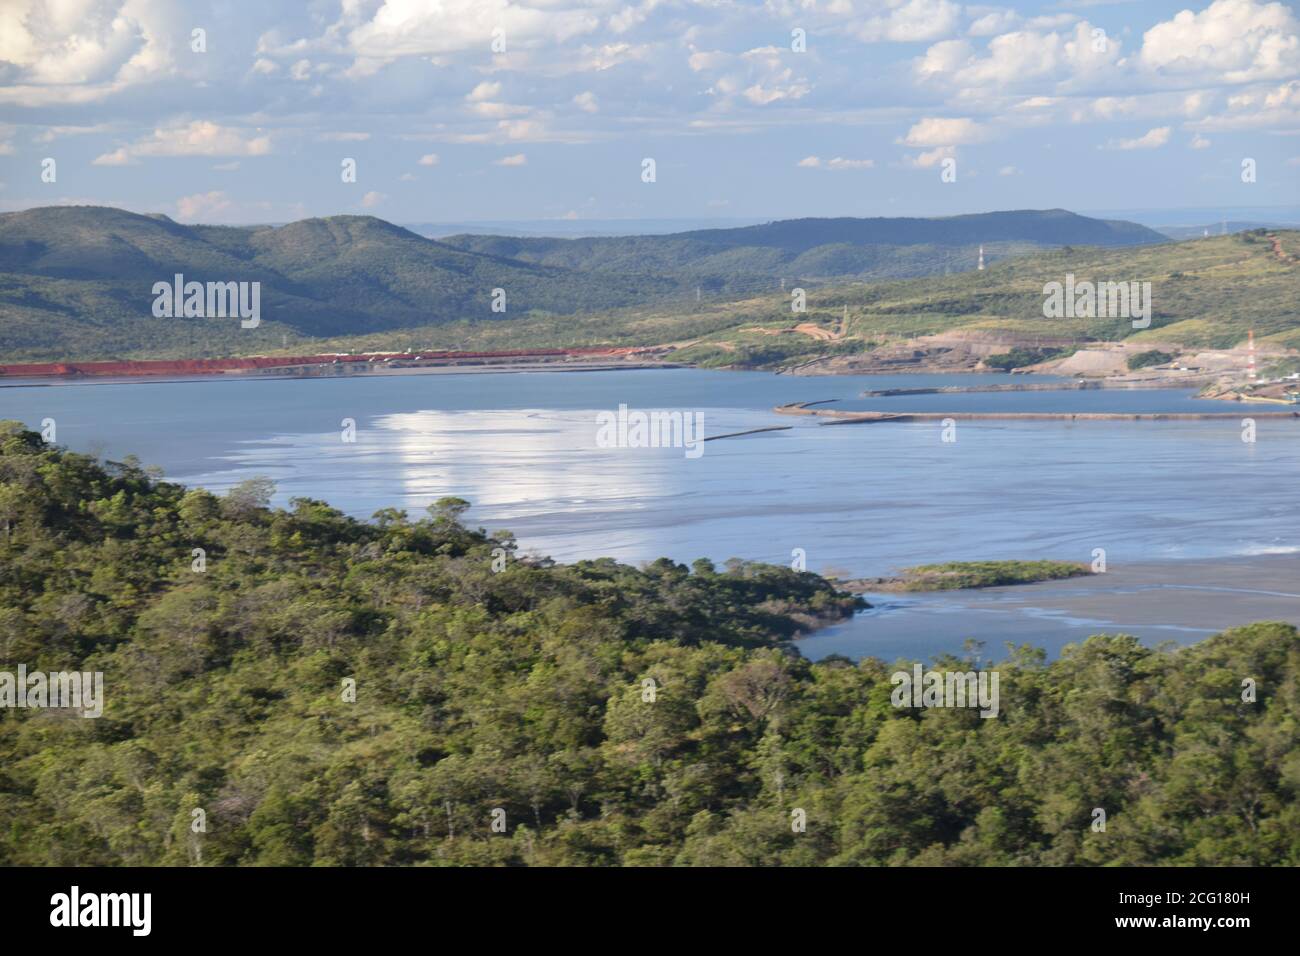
[[955, 575], [335, 692]]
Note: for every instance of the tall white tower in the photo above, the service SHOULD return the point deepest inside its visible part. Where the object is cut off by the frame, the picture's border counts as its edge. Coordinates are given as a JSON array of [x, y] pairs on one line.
[[981, 265]]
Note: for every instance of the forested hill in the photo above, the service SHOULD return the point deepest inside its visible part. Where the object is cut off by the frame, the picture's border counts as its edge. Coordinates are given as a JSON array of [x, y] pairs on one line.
[[76, 281], [822, 248], [529, 691]]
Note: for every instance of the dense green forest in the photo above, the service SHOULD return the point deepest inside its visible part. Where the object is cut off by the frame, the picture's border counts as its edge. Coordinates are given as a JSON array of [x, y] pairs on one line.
[[524, 690]]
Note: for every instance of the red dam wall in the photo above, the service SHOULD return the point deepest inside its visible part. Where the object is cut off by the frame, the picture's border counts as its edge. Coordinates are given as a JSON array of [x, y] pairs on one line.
[[217, 366]]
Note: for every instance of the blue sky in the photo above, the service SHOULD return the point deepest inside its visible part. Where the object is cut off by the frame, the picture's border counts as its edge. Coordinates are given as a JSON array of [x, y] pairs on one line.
[[1082, 105]]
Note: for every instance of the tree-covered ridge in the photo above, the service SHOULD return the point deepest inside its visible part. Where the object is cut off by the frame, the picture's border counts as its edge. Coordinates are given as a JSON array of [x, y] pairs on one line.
[[525, 690], [76, 281]]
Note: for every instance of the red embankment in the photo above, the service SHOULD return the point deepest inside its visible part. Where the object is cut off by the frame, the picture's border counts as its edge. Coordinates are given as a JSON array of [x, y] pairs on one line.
[[217, 366]]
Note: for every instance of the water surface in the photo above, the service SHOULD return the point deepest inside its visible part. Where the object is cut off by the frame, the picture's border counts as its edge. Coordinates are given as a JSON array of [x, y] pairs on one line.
[[860, 499]]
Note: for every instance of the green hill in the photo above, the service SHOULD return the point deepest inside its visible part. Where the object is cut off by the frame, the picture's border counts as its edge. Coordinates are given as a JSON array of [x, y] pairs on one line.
[[749, 258], [1205, 293], [75, 282], [337, 692]]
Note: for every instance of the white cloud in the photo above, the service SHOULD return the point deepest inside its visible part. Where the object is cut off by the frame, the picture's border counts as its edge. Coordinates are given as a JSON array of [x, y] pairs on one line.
[[1152, 139], [994, 22], [1008, 171], [81, 52], [483, 92], [202, 205], [1199, 142], [118, 157], [762, 95], [938, 131], [586, 101], [518, 159], [1276, 107], [912, 21], [409, 28], [1196, 103], [1237, 40], [837, 163], [1047, 63], [1105, 108], [931, 157], [54, 132], [429, 159], [496, 110], [372, 199], [198, 138], [759, 76]]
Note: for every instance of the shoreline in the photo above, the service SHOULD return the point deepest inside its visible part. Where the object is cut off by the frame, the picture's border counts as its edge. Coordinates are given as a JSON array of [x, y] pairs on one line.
[[368, 372], [869, 418], [1185, 600]]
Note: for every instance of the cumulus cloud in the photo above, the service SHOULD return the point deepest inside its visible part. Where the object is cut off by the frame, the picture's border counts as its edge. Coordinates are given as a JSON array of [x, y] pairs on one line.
[[429, 159], [518, 159], [1256, 107], [1152, 139], [836, 163], [68, 53], [586, 101], [202, 206], [404, 28], [483, 92], [938, 131], [931, 157], [993, 23], [197, 138], [1022, 58], [760, 76], [372, 199], [912, 21], [1240, 40], [55, 132]]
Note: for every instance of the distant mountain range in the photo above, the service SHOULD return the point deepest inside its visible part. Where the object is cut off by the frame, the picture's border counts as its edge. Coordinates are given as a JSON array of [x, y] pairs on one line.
[[75, 281], [746, 258], [1224, 227], [571, 228]]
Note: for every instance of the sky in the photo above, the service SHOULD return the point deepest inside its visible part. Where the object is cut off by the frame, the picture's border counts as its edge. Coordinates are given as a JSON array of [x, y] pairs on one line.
[[230, 111]]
